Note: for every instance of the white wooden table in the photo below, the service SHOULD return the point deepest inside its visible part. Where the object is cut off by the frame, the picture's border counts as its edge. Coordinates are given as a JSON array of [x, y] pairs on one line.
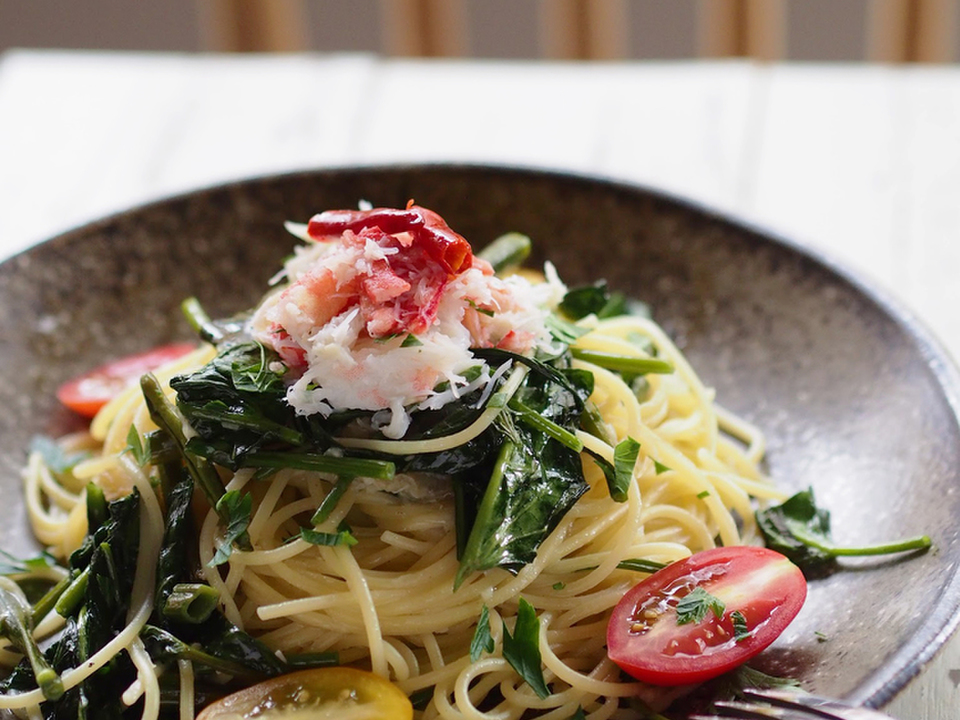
[[862, 162]]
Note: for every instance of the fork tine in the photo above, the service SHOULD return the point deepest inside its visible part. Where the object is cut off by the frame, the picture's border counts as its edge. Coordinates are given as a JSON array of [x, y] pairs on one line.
[[813, 706], [736, 710]]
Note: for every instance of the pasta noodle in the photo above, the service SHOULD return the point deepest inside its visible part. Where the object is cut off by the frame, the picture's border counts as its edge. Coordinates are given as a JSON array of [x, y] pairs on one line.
[[388, 602]]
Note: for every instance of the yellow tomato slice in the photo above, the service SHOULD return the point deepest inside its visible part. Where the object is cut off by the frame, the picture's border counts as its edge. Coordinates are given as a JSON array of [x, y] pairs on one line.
[[337, 693]]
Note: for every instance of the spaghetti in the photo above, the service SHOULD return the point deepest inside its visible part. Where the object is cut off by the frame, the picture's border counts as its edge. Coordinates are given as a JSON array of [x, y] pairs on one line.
[[387, 601]]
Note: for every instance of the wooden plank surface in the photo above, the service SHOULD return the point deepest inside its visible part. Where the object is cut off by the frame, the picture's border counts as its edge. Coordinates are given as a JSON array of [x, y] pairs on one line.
[[859, 162]]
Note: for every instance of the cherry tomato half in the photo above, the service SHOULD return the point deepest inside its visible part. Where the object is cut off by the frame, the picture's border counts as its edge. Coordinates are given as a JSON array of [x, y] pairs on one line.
[[760, 591], [91, 391], [334, 693]]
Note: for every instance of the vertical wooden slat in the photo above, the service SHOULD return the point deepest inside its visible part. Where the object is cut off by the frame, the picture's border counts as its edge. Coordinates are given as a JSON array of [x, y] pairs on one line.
[[254, 25], [425, 28], [911, 30], [584, 29], [936, 31], [742, 28]]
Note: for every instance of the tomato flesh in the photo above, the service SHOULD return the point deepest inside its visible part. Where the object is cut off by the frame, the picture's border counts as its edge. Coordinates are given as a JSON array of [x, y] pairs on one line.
[[333, 693], [89, 392], [761, 592]]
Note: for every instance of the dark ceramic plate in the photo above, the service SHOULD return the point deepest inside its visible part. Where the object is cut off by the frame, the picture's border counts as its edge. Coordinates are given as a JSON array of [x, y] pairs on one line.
[[856, 399]]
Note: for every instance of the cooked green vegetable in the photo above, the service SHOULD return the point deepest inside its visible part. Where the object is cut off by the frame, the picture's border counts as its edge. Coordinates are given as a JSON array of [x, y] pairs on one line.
[[341, 537], [16, 625], [506, 252], [191, 602], [482, 639], [522, 649], [801, 531], [235, 508]]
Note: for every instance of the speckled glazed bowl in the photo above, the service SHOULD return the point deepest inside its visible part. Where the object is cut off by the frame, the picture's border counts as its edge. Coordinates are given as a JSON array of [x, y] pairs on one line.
[[855, 397]]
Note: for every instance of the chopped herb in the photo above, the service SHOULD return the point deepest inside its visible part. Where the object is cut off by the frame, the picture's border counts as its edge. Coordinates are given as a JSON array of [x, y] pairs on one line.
[[693, 607], [660, 468], [579, 714], [702, 495], [821, 637], [315, 537], [559, 585], [136, 447], [481, 310], [740, 630], [522, 649], [482, 639], [411, 340], [801, 531], [236, 508]]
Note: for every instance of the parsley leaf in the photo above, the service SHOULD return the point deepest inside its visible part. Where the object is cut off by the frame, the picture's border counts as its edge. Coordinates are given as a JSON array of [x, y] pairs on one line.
[[482, 639], [694, 605], [740, 630], [522, 649], [237, 509]]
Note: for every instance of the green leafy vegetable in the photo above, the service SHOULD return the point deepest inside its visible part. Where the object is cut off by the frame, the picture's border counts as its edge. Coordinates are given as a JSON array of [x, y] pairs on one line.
[[16, 625], [236, 507], [534, 482], [482, 639], [593, 299], [329, 503], [801, 531], [522, 649], [694, 606]]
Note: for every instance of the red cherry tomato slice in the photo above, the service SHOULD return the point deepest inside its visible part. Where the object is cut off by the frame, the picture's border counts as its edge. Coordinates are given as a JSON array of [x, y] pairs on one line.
[[91, 391], [645, 639]]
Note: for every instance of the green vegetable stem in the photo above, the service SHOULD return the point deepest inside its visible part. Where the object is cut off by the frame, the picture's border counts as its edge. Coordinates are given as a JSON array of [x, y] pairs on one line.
[[801, 531], [16, 624]]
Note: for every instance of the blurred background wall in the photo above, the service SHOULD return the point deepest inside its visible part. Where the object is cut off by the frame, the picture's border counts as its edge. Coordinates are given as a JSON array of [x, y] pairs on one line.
[[820, 30]]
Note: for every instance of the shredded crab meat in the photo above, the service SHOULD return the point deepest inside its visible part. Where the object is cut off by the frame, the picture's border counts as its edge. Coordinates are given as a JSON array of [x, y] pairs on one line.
[[383, 306]]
